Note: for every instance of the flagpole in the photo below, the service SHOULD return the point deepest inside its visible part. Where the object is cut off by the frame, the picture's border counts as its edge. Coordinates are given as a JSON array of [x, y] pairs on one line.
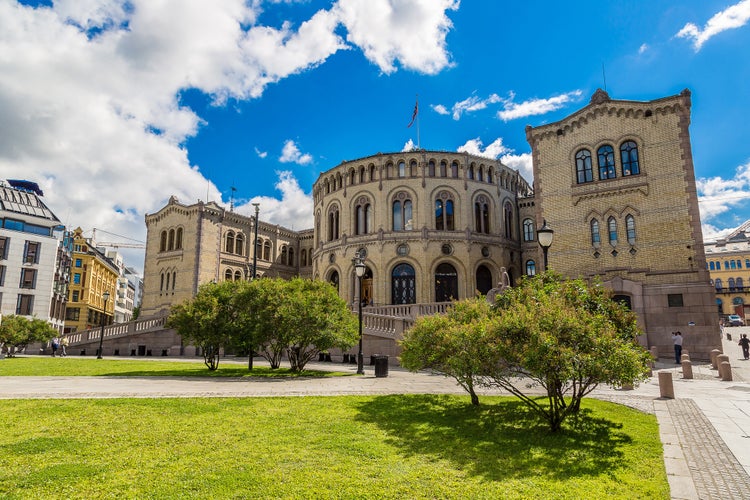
[[418, 145]]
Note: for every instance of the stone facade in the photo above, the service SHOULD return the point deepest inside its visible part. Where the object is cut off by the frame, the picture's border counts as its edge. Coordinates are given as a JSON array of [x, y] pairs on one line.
[[616, 182], [729, 266]]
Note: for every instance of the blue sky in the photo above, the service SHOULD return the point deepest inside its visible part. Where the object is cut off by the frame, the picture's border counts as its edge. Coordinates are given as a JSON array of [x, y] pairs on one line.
[[113, 106]]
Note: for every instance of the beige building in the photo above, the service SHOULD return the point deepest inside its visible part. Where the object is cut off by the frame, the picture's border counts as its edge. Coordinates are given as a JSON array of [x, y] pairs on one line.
[[614, 180], [729, 266]]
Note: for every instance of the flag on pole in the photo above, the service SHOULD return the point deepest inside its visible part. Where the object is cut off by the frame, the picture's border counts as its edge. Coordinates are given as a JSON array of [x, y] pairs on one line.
[[414, 115]]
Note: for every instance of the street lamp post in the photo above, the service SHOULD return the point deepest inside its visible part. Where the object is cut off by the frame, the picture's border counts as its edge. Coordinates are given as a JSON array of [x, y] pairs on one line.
[[255, 242], [105, 296], [359, 268], [545, 234]]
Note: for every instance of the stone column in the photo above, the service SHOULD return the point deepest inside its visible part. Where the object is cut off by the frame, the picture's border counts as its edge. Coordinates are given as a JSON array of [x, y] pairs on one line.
[[666, 388]]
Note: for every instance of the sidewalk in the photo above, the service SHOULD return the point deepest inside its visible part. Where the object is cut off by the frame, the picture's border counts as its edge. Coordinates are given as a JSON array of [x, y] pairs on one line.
[[705, 431]]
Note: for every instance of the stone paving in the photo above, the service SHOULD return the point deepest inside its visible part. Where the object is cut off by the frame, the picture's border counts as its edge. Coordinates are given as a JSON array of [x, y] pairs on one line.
[[705, 431]]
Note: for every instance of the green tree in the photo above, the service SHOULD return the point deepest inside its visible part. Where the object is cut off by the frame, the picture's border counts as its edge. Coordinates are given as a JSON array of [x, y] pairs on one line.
[[313, 318], [208, 320], [16, 332], [264, 298], [454, 344]]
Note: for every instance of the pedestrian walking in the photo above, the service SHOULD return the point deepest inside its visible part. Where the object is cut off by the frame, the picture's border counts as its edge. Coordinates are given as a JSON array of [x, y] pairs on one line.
[[745, 343], [677, 340], [64, 342], [55, 346]]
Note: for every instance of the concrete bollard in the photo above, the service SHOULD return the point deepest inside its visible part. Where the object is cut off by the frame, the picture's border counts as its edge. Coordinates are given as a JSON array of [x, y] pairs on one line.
[[654, 352], [719, 359], [725, 369], [714, 353], [687, 369], [666, 388], [685, 356]]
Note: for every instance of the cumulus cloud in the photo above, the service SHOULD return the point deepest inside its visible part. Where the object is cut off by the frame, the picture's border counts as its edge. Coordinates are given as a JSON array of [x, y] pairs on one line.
[[534, 107], [470, 104], [522, 163], [732, 17], [440, 109], [294, 210], [497, 150], [290, 153], [410, 32], [90, 90], [261, 154], [717, 197], [409, 146]]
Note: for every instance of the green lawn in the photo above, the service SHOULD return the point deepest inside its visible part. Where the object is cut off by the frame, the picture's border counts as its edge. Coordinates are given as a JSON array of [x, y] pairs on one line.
[[397, 446], [90, 366]]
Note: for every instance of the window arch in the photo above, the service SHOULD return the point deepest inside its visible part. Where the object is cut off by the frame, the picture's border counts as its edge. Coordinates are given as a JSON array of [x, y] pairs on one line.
[[178, 242], [470, 173], [730, 282], [402, 212], [483, 279], [170, 243], [227, 275], [508, 219], [630, 229], [267, 250], [528, 230], [530, 268], [606, 157], [163, 242], [239, 244], [711, 266], [596, 238], [482, 215], [443, 169], [454, 169], [612, 227], [229, 242], [413, 168], [333, 223], [738, 284], [363, 216], [334, 279], [718, 285], [431, 168], [402, 169], [583, 166], [237, 277], [629, 157], [444, 218]]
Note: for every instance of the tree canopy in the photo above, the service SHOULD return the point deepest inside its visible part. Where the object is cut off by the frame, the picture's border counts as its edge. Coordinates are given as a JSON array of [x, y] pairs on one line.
[[16, 332]]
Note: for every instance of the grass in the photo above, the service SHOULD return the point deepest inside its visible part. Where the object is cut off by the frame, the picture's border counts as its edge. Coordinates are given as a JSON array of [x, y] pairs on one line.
[[396, 446], [82, 366]]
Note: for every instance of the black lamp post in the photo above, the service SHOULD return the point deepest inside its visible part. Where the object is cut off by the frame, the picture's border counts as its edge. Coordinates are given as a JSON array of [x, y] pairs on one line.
[[359, 268], [105, 296], [544, 235], [255, 242]]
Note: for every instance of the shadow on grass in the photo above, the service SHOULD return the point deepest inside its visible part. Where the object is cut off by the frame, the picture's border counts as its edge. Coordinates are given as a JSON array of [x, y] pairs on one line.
[[499, 441], [226, 372]]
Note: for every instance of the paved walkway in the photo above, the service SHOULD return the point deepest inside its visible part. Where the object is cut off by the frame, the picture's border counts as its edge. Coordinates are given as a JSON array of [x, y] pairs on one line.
[[705, 430]]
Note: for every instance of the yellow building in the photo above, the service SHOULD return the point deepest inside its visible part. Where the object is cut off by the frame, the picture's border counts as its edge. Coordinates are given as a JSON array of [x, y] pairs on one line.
[[728, 261], [91, 275]]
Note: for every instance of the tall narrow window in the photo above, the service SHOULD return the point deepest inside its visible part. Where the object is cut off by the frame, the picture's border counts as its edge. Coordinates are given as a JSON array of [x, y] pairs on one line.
[[303, 257], [229, 247], [402, 213], [528, 230], [401, 169], [630, 229], [583, 166], [291, 256], [413, 168], [163, 242], [718, 284], [178, 240], [259, 248], [731, 284], [31, 252], [267, 251], [739, 284], [489, 175], [470, 174], [431, 168], [28, 278], [629, 157], [283, 254], [595, 236], [443, 169], [444, 212], [454, 169], [170, 244], [508, 220], [227, 276], [363, 216], [606, 156], [482, 215], [612, 225], [333, 223], [530, 268]]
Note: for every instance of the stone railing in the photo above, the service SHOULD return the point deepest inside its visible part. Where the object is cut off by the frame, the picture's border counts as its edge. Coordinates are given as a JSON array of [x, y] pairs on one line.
[[145, 325], [391, 321]]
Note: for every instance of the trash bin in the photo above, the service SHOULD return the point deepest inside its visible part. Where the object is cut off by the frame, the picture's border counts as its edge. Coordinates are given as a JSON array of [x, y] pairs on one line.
[[381, 365]]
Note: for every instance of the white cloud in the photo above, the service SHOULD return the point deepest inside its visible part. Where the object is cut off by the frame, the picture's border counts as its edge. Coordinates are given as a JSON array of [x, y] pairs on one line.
[[409, 146], [410, 32], [440, 109], [290, 153], [522, 163], [473, 103], [732, 17], [89, 90], [261, 154], [294, 210], [643, 48], [717, 197], [493, 150], [534, 107]]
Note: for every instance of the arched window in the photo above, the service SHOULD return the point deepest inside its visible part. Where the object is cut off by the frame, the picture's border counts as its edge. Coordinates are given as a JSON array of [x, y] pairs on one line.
[[454, 169], [303, 257], [239, 244], [413, 168], [363, 216], [732, 264], [718, 285], [446, 283], [612, 225], [482, 215], [508, 219], [480, 174], [361, 175], [267, 250], [259, 248], [178, 243], [738, 284], [283, 254], [403, 285], [334, 279], [630, 229], [333, 223], [484, 280], [161, 284], [489, 175], [606, 156], [163, 242], [167, 287], [174, 280], [291, 256], [402, 213], [228, 275], [530, 268], [401, 169], [431, 168], [730, 282], [595, 236], [528, 230], [237, 276], [229, 243], [739, 264], [629, 157], [719, 305], [443, 169], [470, 174], [170, 243], [711, 266], [583, 166], [444, 220]]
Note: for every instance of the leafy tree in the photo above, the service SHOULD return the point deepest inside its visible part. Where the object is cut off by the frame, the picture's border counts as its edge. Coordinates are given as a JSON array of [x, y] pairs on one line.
[[264, 298], [313, 318], [16, 332], [207, 320], [454, 344]]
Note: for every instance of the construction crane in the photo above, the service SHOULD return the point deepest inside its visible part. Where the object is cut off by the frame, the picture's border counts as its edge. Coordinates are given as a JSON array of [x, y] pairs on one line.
[[134, 243]]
